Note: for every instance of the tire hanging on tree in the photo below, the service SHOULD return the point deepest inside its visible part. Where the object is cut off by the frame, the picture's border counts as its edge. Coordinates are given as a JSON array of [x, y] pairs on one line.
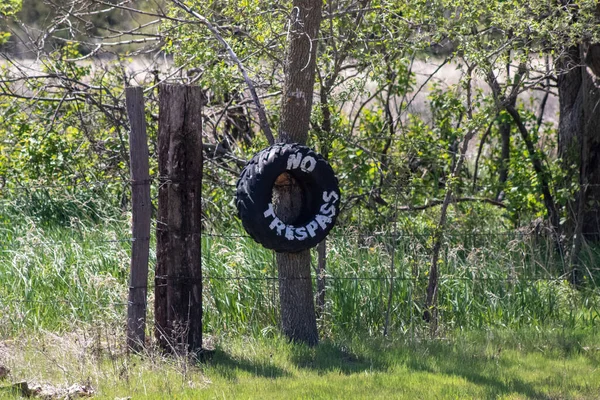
[[279, 165]]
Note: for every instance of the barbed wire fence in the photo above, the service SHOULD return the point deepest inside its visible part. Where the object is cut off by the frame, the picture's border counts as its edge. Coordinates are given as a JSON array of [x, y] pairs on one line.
[[375, 276], [392, 244]]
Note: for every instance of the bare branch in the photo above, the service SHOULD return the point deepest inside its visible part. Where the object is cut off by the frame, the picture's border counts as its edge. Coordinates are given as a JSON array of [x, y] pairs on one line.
[[437, 202], [264, 123]]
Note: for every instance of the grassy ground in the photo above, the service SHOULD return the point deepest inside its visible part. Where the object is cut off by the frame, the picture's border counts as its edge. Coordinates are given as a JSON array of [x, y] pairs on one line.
[[501, 365], [511, 326]]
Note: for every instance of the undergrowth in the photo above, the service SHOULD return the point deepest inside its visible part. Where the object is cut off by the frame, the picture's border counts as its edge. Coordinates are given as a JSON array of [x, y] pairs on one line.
[[55, 274], [494, 364], [511, 326]]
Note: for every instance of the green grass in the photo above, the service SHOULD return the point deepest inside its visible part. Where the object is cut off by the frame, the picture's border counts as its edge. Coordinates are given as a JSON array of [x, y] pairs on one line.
[[510, 325], [499, 281], [54, 275], [488, 365]]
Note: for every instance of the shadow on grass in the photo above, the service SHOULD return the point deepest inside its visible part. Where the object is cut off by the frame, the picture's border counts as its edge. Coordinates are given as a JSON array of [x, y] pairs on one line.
[[471, 365], [328, 357], [229, 367]]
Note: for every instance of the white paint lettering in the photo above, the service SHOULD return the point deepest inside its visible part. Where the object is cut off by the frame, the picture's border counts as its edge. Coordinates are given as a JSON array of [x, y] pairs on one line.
[[294, 161], [270, 211], [327, 197], [308, 164], [301, 233], [328, 210], [323, 221], [311, 228], [277, 224], [289, 233]]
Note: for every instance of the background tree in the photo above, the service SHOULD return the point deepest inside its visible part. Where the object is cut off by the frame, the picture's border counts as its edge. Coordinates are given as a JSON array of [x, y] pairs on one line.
[[387, 114], [578, 81], [298, 319]]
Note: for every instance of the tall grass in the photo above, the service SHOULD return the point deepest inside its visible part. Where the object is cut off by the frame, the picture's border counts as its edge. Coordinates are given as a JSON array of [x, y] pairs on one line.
[[61, 270], [56, 274], [500, 280]]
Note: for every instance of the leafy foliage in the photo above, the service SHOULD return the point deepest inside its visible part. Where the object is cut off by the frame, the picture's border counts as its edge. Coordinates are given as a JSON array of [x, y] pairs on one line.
[[390, 125], [362, 120]]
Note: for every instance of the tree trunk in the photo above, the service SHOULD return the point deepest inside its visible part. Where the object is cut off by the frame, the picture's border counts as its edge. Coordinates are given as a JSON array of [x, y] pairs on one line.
[[505, 131], [321, 283], [431, 311], [504, 155], [540, 172], [298, 319], [325, 138], [579, 123]]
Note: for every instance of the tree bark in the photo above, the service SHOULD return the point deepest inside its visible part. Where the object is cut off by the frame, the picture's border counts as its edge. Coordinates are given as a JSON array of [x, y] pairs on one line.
[[321, 282], [541, 173], [536, 161], [505, 130], [504, 155], [299, 70], [579, 123], [298, 319]]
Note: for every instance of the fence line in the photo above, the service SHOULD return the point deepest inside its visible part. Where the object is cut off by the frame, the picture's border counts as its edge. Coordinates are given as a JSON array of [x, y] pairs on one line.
[[59, 301], [386, 278], [446, 235], [274, 278]]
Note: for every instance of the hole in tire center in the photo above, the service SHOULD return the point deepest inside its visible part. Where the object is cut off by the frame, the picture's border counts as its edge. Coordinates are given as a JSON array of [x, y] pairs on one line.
[[288, 198]]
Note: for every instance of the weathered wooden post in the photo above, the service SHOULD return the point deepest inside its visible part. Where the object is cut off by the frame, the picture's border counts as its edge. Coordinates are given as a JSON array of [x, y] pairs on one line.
[[178, 296], [141, 214]]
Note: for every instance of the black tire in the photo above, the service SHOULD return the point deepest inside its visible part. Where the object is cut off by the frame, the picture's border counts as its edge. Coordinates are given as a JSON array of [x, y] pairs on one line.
[[321, 195]]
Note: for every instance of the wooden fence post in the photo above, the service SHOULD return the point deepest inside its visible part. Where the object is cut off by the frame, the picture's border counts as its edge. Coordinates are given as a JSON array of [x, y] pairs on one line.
[[141, 214], [178, 296]]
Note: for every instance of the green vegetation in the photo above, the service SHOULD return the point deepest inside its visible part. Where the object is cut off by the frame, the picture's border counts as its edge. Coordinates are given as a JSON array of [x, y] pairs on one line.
[[504, 364], [517, 298], [56, 274], [59, 265], [503, 333]]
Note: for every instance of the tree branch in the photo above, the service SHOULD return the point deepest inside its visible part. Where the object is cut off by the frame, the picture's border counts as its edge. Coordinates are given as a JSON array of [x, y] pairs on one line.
[[438, 202], [264, 124]]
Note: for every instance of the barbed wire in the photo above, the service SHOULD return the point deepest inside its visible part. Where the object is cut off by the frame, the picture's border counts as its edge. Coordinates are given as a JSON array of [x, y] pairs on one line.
[[447, 234], [515, 276], [18, 243], [64, 301], [181, 281], [77, 304], [388, 278]]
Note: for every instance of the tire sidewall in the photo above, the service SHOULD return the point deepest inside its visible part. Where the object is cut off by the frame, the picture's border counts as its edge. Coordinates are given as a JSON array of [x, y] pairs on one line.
[[254, 197]]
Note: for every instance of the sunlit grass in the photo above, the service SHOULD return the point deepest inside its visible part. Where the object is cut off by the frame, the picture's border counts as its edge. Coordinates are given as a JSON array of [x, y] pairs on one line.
[[56, 276], [488, 365], [53, 277], [511, 326]]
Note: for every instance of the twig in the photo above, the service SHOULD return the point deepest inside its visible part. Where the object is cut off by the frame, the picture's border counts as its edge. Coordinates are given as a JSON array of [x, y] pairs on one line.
[[264, 124], [438, 202]]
